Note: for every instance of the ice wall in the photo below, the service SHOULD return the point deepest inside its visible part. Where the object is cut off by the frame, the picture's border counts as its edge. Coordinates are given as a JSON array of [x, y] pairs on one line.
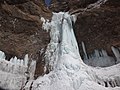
[[68, 70], [15, 73]]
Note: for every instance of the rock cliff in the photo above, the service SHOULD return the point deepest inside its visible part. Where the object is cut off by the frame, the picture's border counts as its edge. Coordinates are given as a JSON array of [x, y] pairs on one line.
[[21, 29]]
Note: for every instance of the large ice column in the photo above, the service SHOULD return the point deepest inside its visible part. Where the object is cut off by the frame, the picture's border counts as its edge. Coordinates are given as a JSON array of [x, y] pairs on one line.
[[62, 38], [69, 47], [69, 43], [51, 54]]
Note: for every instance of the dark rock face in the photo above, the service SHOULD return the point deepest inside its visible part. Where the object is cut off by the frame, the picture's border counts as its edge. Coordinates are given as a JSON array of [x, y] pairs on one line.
[[68, 5], [113, 3], [100, 28], [21, 32], [14, 1], [80, 3]]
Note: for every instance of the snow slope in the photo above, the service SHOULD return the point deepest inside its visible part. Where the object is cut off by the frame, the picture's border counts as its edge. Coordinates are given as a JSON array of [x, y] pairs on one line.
[[68, 72]]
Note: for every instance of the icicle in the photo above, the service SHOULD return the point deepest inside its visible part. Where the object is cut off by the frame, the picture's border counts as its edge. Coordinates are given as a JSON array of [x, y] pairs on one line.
[[104, 53], [26, 60], [114, 83], [84, 50], [21, 62], [101, 53], [74, 18], [108, 84], [97, 53], [12, 60], [117, 80], [18, 61], [116, 53], [2, 55], [102, 83], [15, 60], [32, 69]]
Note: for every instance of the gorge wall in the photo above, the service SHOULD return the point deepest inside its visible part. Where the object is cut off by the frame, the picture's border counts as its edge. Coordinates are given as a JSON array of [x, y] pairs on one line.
[[21, 32]]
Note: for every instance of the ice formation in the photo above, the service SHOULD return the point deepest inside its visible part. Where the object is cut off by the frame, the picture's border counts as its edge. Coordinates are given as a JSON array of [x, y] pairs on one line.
[[15, 73], [116, 52], [67, 70], [100, 58]]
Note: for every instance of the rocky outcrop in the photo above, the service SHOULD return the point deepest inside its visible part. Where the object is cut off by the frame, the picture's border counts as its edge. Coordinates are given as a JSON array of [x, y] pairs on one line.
[[21, 30], [100, 28]]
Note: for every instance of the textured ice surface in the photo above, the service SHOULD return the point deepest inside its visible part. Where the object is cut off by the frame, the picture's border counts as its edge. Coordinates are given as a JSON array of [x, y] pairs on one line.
[[15, 73], [68, 70]]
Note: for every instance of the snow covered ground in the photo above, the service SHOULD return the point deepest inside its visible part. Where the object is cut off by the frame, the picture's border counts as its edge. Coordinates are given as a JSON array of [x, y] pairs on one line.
[[68, 72]]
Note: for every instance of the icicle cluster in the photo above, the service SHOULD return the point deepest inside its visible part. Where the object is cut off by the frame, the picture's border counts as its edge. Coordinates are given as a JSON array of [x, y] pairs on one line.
[[17, 66], [14, 73], [100, 58]]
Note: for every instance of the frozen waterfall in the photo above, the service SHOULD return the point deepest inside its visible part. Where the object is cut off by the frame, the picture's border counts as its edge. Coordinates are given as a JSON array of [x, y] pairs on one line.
[[67, 70]]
